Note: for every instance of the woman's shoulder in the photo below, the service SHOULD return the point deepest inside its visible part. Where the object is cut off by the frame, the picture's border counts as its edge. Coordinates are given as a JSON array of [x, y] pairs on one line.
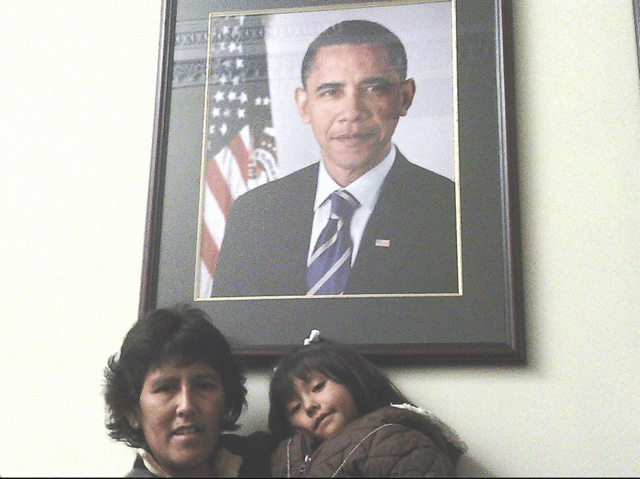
[[255, 450], [139, 469], [254, 442], [139, 472]]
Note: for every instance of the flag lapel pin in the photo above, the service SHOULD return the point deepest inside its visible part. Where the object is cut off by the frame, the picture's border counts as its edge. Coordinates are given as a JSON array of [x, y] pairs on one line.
[[384, 243]]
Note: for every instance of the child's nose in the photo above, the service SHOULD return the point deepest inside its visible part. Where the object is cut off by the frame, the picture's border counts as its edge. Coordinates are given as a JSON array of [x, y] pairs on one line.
[[311, 407]]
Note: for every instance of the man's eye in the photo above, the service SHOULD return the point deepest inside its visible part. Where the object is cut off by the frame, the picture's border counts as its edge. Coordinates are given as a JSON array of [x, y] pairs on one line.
[[328, 92], [377, 88]]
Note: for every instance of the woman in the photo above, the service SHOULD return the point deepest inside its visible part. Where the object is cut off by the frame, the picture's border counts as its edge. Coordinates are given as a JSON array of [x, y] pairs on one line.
[[171, 392]]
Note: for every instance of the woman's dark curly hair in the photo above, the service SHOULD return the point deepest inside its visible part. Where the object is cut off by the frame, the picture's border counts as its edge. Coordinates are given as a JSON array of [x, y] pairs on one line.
[[368, 385], [181, 333]]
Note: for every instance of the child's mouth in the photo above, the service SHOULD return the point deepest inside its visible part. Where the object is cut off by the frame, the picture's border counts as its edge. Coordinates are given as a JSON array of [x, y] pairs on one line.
[[321, 418]]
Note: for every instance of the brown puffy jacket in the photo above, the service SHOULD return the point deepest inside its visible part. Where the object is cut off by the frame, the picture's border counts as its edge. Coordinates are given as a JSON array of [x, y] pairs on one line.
[[394, 441]]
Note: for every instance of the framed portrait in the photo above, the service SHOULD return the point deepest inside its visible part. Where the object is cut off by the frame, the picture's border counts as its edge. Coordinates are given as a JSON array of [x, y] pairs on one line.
[[257, 111]]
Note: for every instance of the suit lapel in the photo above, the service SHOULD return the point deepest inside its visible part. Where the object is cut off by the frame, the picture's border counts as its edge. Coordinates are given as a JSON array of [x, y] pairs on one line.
[[383, 228], [299, 218]]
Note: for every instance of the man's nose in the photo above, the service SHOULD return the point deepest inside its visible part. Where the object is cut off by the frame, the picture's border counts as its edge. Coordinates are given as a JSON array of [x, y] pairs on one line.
[[353, 105]]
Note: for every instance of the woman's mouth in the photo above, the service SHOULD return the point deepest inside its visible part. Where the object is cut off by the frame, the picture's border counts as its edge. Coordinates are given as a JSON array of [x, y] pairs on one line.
[[185, 431]]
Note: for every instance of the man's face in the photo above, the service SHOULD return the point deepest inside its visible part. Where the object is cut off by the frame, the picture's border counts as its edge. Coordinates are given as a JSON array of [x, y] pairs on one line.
[[352, 101]]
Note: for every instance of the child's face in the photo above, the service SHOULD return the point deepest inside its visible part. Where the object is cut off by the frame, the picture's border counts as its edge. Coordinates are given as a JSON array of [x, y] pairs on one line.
[[323, 406]]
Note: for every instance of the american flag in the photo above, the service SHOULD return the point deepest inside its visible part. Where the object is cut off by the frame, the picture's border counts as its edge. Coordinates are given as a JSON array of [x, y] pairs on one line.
[[239, 142]]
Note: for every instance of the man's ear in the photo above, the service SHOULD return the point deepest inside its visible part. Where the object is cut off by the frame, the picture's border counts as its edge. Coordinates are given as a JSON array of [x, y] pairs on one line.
[[301, 101], [408, 91]]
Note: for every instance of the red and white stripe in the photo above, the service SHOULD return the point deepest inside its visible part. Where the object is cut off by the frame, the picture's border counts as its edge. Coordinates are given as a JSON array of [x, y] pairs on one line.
[[227, 176]]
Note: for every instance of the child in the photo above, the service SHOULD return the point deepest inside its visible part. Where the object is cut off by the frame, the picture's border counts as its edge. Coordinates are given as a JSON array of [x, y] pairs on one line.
[[337, 414]]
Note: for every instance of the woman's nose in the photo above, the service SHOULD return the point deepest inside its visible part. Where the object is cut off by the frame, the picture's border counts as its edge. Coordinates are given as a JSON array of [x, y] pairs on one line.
[[184, 401]]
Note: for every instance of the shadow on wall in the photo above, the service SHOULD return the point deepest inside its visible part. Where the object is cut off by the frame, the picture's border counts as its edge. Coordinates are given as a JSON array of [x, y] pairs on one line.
[[471, 467]]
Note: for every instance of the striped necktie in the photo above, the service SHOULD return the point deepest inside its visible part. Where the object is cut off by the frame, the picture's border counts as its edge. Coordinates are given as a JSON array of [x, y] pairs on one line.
[[329, 265]]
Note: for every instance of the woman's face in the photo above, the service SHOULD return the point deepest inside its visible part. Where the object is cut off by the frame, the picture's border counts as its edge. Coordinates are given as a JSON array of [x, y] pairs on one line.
[[181, 408]]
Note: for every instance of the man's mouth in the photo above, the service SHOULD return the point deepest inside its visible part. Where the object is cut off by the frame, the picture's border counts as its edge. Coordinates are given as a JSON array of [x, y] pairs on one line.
[[353, 136]]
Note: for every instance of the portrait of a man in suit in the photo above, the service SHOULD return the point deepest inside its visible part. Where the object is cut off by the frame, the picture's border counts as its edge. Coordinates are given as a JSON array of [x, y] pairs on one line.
[[363, 219]]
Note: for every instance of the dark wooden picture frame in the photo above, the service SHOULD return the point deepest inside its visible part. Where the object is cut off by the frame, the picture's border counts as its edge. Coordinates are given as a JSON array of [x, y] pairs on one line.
[[636, 23], [484, 322]]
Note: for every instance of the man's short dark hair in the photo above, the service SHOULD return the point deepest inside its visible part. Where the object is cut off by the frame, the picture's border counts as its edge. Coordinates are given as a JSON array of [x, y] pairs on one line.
[[357, 32], [181, 332]]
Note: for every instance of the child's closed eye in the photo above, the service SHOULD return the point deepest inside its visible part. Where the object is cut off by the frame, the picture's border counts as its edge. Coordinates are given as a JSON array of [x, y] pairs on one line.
[[318, 386], [293, 408]]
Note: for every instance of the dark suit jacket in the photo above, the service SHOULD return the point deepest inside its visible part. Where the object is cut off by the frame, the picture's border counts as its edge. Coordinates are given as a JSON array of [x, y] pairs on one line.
[[266, 242]]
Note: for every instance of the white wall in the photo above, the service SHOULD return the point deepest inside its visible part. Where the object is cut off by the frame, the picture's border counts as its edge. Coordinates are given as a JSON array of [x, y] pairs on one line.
[[77, 95]]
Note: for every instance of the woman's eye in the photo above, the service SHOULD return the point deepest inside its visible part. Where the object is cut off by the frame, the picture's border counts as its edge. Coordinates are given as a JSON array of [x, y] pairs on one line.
[[207, 386], [319, 386], [163, 388]]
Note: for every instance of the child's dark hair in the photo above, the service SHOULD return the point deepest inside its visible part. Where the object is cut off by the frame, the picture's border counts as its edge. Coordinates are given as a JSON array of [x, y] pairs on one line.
[[368, 385]]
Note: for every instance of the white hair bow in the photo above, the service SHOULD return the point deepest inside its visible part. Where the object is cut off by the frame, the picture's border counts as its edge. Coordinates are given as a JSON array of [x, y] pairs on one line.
[[314, 337]]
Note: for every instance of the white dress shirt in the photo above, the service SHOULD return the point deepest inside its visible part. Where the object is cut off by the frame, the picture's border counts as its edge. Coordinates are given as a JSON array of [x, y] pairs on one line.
[[365, 189]]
